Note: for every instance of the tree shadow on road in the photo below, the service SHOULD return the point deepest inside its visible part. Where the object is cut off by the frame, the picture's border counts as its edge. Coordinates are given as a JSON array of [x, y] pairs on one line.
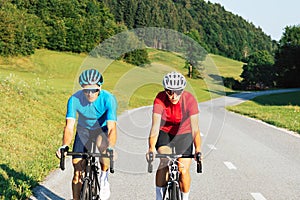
[[292, 99], [43, 193]]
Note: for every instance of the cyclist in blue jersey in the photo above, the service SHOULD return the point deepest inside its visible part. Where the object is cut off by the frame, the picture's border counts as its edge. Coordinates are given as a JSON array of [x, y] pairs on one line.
[[96, 112]]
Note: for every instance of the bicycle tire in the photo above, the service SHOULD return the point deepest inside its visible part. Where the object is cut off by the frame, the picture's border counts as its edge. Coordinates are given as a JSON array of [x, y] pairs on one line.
[[95, 188], [86, 193], [173, 192], [178, 192]]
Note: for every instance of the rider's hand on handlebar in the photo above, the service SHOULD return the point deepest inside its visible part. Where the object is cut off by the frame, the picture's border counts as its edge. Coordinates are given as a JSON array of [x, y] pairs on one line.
[[109, 149], [198, 156], [150, 155], [58, 154]]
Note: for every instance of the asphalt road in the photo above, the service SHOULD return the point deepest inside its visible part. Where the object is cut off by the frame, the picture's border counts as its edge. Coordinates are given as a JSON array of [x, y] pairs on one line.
[[243, 158]]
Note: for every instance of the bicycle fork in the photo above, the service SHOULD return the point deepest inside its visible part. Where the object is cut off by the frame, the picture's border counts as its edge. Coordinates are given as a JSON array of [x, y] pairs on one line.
[[92, 176], [172, 191], [173, 188]]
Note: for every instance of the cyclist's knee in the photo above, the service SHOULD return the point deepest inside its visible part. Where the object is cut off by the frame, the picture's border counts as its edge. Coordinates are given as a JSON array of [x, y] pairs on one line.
[[163, 163], [76, 177], [78, 165], [184, 171], [164, 150], [104, 162], [184, 166]]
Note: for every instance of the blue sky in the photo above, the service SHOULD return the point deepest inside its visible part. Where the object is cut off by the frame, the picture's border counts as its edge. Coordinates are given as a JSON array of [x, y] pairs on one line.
[[272, 16]]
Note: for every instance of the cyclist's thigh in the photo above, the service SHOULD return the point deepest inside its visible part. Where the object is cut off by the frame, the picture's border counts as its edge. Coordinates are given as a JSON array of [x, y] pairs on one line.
[[164, 150], [78, 164], [102, 141], [184, 143], [81, 138], [163, 142]]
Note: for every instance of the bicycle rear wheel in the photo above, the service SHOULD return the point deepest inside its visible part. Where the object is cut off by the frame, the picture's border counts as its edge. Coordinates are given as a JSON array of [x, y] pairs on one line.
[[86, 193]]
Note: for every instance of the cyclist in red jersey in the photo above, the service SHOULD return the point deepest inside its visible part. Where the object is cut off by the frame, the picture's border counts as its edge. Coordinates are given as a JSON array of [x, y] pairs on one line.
[[174, 120]]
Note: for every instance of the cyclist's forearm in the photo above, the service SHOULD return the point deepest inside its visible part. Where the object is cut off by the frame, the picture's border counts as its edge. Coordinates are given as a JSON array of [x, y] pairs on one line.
[[197, 141], [152, 140], [196, 132], [68, 132], [112, 138], [68, 135], [112, 133], [156, 118]]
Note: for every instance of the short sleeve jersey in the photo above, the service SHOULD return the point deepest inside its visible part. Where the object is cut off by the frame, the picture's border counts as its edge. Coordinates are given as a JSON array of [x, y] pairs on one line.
[[92, 115], [175, 118]]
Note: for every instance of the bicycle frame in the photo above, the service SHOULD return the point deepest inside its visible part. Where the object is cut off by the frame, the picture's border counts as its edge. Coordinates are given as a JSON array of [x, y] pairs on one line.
[[173, 190], [91, 185], [91, 180]]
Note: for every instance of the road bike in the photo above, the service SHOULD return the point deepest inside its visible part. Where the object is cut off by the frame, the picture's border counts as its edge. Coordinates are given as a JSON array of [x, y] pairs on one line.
[[172, 191], [90, 189]]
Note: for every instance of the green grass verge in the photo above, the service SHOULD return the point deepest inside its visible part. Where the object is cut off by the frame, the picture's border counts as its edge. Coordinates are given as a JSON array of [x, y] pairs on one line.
[[281, 110], [33, 93]]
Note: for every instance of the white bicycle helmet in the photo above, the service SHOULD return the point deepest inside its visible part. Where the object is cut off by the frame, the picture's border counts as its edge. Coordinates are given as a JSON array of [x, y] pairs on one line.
[[90, 77], [174, 81]]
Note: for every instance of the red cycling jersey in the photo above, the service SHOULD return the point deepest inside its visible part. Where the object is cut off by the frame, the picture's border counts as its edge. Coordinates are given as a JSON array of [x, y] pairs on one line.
[[175, 118]]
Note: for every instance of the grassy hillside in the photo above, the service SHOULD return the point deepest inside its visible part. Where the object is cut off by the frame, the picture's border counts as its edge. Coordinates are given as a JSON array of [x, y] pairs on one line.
[[228, 68], [34, 92]]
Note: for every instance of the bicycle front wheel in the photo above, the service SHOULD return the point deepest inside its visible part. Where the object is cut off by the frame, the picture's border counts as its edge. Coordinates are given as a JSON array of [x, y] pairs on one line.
[[86, 193], [95, 187], [174, 192]]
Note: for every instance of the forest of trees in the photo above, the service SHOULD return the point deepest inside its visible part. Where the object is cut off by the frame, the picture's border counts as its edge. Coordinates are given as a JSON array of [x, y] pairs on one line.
[[61, 25], [217, 30], [80, 25]]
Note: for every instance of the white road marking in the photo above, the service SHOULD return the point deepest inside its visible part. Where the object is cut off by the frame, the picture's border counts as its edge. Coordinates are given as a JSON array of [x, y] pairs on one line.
[[229, 165], [258, 196], [211, 146]]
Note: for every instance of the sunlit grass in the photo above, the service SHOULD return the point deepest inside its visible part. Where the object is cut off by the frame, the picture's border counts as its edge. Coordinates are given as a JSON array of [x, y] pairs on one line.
[[282, 110], [228, 67], [31, 118]]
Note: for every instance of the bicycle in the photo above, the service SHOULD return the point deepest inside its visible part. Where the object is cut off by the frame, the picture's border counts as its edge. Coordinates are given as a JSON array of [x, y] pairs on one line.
[[90, 183], [172, 191]]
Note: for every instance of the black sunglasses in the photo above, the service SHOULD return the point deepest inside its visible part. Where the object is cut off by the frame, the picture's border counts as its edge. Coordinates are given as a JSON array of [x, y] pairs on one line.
[[171, 92], [87, 91]]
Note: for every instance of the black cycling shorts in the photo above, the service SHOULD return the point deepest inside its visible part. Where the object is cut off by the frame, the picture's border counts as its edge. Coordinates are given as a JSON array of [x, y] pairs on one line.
[[85, 138], [183, 143]]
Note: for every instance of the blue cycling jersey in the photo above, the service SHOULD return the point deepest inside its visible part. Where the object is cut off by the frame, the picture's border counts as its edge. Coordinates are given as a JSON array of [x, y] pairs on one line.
[[92, 115]]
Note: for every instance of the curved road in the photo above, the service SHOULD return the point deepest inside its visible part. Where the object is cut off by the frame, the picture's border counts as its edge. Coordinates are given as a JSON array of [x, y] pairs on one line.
[[243, 158]]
